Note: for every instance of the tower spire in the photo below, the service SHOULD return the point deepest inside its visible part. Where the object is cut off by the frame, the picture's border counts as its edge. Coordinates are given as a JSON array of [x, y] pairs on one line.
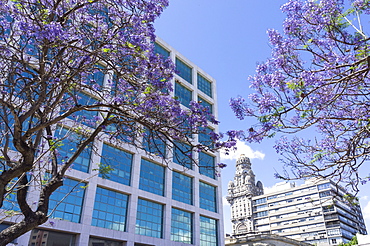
[[240, 193]]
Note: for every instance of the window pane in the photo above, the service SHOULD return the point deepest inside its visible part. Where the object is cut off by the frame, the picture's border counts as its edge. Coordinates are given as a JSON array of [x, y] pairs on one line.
[[70, 206], [182, 155], [154, 143], [181, 226], [10, 202], [207, 165], [204, 85], [69, 142], [86, 117], [208, 231], [182, 188], [43, 237], [120, 161], [204, 137], [207, 195], [183, 94], [110, 209], [149, 219], [161, 51], [206, 104], [151, 177], [184, 71], [103, 242]]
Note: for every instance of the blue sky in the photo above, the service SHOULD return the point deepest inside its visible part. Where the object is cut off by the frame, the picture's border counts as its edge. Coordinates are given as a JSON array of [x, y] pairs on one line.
[[227, 39]]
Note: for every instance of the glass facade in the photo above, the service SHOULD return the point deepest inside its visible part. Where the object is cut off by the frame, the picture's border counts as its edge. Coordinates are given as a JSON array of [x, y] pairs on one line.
[[323, 186], [67, 201], [43, 237], [149, 218], [206, 104], [103, 242], [127, 200], [154, 143], [207, 197], [182, 188], [6, 130], [151, 177], [208, 231], [184, 71], [182, 155], [181, 226], [69, 141], [120, 161], [207, 165], [204, 85], [10, 202], [184, 95], [96, 76], [84, 116], [161, 51], [204, 137], [110, 209]]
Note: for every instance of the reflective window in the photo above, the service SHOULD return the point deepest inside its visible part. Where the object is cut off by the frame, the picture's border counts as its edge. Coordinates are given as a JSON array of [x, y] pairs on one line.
[[95, 76], [323, 186], [184, 95], [325, 193], [184, 71], [123, 131], [181, 226], [272, 197], [10, 202], [182, 155], [161, 51], [68, 144], [68, 200], [43, 237], [6, 130], [103, 242], [151, 177], [207, 197], [206, 104], [204, 137], [208, 231], [261, 207], [110, 209], [204, 85], [86, 117], [120, 161], [261, 214], [154, 143], [149, 219], [182, 188], [207, 165]]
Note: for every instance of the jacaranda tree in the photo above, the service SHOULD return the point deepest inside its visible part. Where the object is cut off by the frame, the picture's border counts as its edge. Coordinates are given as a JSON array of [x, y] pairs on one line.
[[72, 71], [316, 84]]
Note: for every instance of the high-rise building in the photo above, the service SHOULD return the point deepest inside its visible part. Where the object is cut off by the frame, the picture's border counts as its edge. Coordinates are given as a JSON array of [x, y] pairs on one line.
[[315, 212], [143, 202]]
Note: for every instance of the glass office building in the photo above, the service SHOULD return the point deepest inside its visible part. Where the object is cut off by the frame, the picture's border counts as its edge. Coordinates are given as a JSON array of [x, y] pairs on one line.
[[142, 202]]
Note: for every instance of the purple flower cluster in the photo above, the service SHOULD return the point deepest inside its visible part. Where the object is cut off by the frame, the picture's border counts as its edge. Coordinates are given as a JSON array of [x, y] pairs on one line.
[[317, 77]]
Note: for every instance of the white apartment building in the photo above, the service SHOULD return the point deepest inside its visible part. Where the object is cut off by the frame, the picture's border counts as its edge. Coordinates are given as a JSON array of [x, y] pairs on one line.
[[315, 212], [144, 202]]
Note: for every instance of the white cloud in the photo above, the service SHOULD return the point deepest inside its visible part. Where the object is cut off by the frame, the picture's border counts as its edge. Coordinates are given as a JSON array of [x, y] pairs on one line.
[[366, 211], [242, 148], [364, 198]]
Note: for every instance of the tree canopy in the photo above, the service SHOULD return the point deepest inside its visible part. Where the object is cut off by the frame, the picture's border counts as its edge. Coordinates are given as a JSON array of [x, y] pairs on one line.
[[314, 91], [75, 71]]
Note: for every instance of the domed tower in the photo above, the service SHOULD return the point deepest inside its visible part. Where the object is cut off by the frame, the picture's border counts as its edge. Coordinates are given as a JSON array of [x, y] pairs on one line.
[[240, 193]]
